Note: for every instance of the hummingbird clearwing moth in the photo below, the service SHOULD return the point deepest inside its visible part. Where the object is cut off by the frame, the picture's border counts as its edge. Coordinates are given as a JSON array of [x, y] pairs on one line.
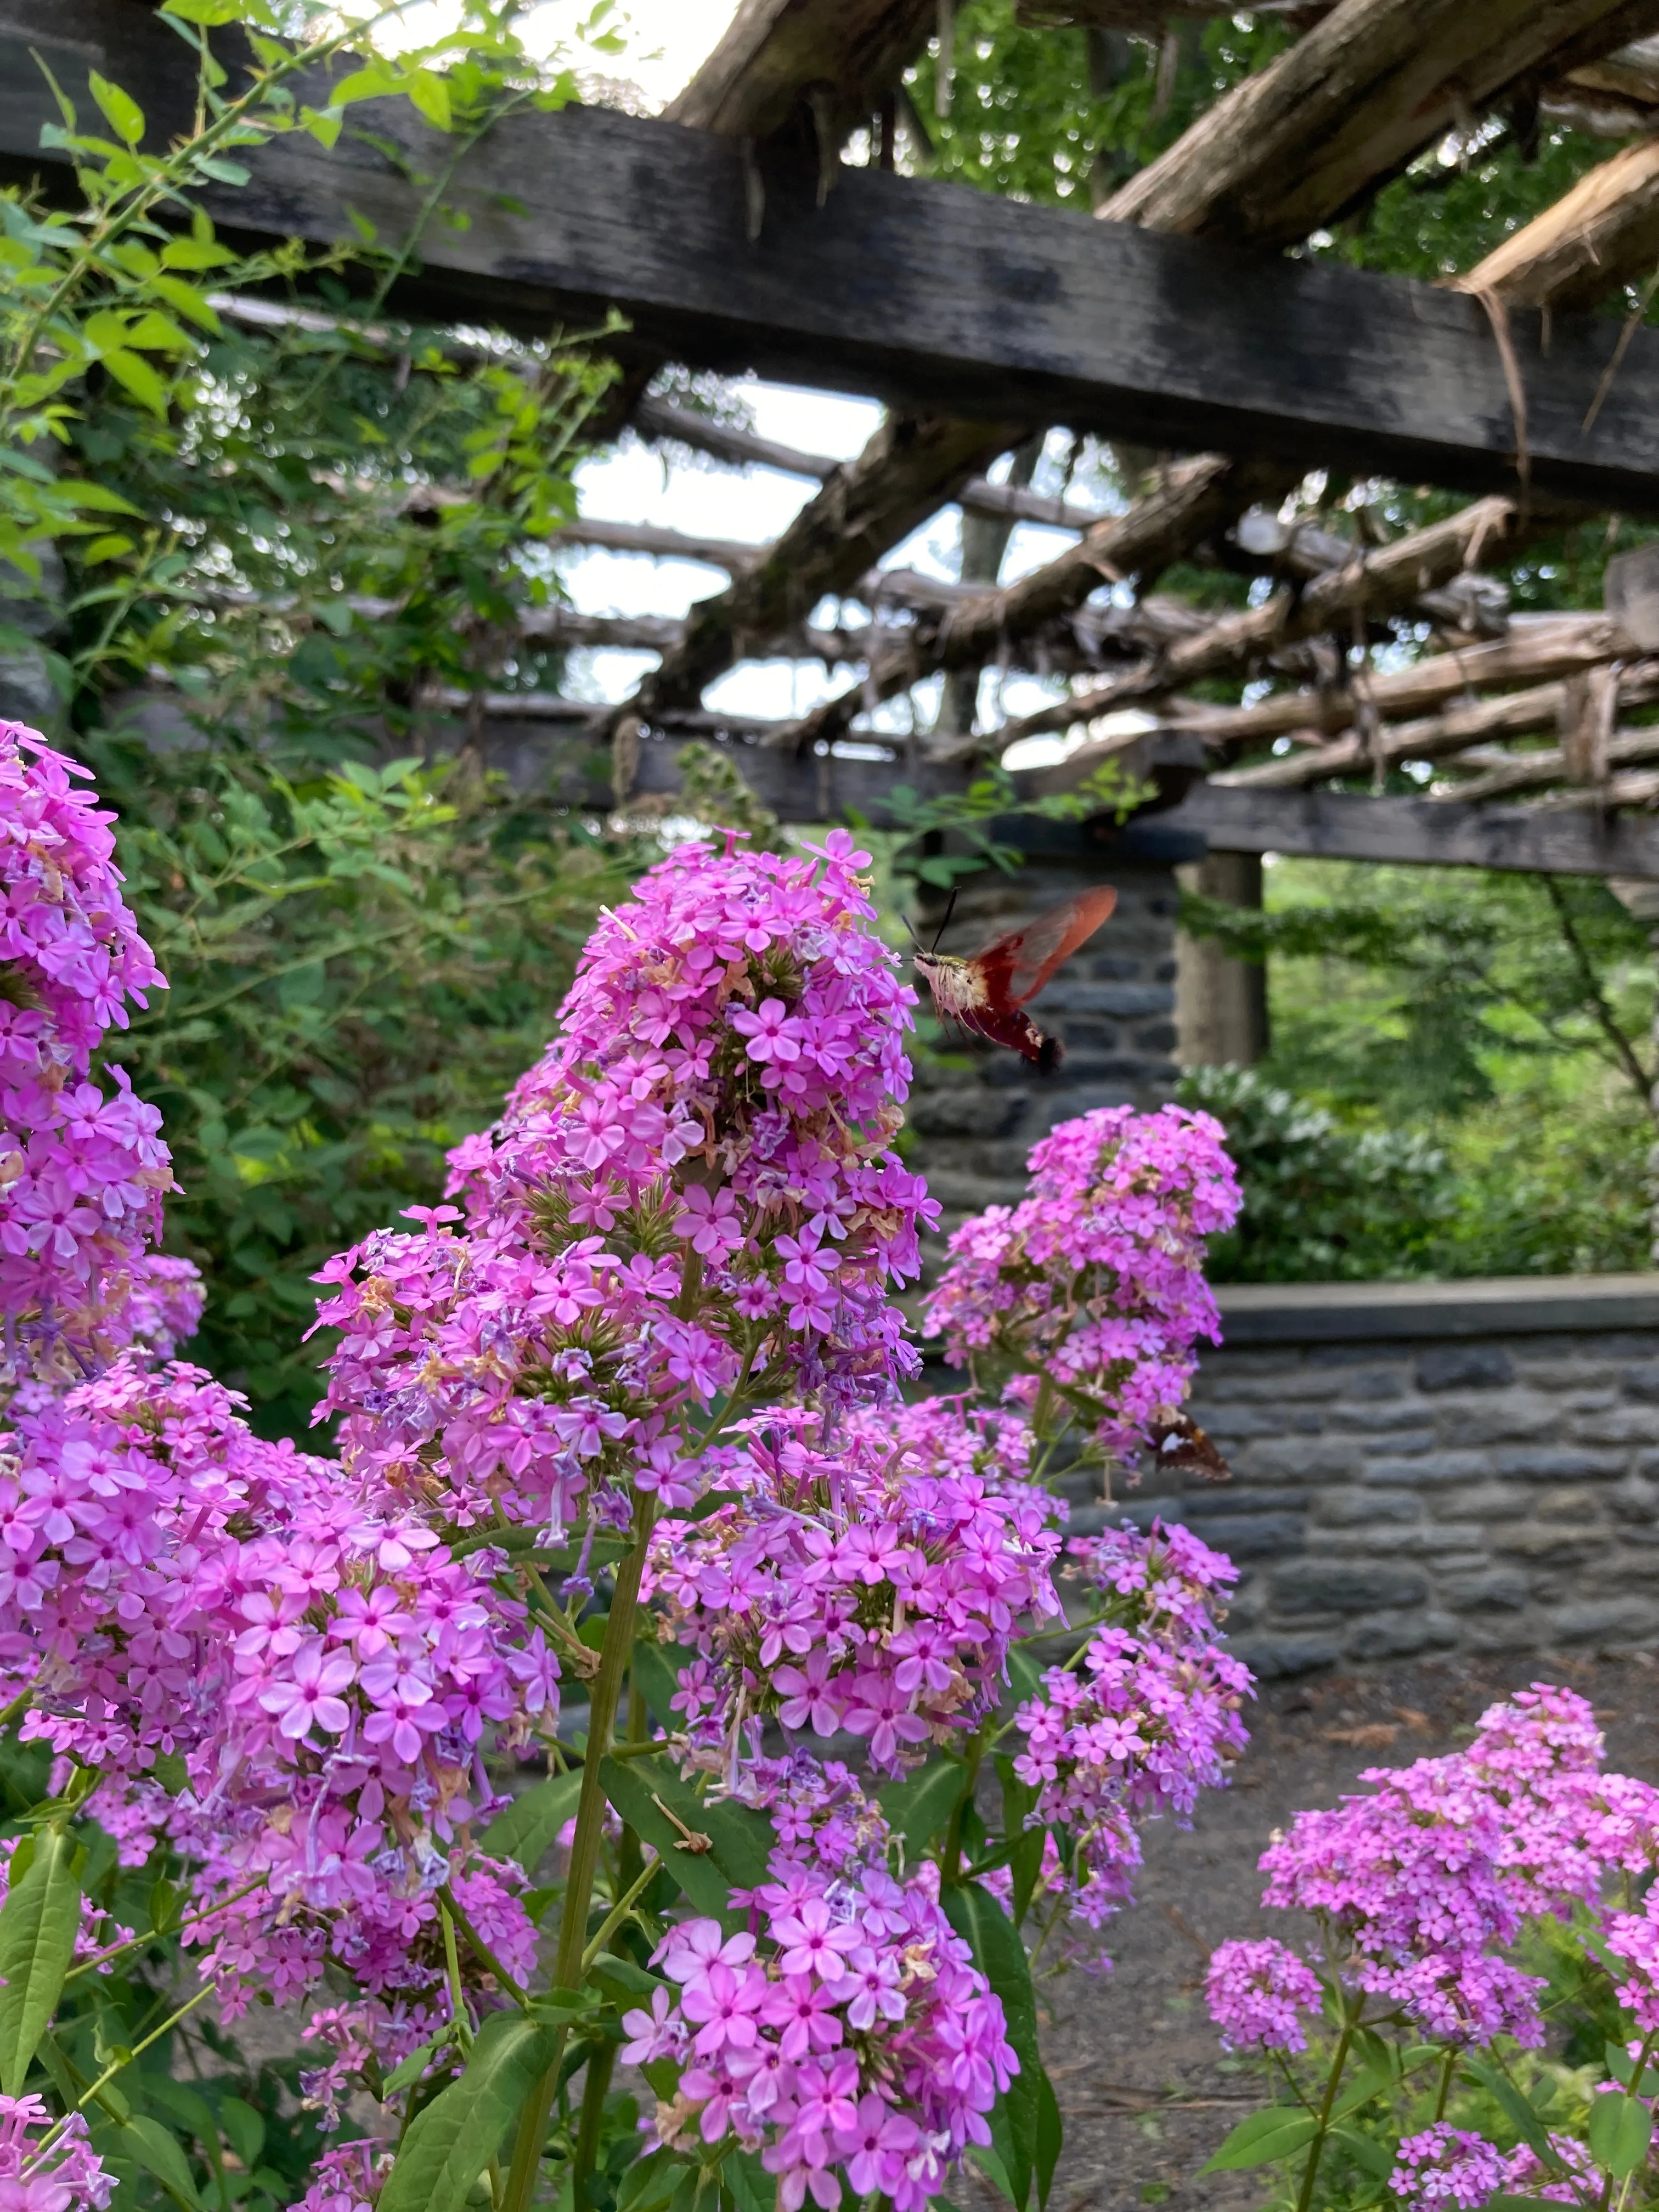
[[988, 992]]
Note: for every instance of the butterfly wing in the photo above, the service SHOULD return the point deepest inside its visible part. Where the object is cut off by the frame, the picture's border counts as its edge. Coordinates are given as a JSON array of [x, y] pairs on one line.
[[1015, 967], [1185, 1448]]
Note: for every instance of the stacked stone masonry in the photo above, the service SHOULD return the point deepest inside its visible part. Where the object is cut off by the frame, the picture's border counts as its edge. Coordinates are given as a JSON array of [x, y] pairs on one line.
[[1455, 1469]]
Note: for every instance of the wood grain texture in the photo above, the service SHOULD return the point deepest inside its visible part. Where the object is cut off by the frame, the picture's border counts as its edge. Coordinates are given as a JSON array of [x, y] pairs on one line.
[[773, 53], [1538, 647], [1439, 736], [1603, 231], [1432, 832], [1381, 582], [1366, 90]]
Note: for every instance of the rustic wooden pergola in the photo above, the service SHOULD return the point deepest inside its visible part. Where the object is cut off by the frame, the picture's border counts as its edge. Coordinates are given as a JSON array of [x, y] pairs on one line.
[[732, 235]]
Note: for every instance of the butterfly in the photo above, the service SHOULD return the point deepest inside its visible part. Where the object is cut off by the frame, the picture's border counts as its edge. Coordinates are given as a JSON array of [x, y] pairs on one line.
[[1182, 1447], [989, 992]]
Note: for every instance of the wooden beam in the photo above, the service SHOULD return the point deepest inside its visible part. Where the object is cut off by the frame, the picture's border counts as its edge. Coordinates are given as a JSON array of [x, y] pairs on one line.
[[1439, 736], [913, 290], [1196, 499], [1603, 231], [1536, 648], [1363, 93], [1381, 581], [841, 55], [1535, 771], [1425, 832]]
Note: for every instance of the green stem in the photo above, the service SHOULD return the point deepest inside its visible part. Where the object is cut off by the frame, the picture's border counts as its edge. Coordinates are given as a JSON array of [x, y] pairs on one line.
[[458, 2016], [603, 1699], [121, 2063], [951, 1863], [452, 1911], [1316, 2147], [619, 1912], [595, 2089], [155, 1934], [1448, 2066]]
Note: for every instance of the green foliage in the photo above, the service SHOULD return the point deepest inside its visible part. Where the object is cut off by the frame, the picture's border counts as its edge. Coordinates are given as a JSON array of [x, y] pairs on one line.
[[1322, 1203], [1459, 1080], [361, 963]]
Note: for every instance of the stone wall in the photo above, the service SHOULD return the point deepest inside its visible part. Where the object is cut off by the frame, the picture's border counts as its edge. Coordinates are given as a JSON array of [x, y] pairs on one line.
[[1420, 1468]]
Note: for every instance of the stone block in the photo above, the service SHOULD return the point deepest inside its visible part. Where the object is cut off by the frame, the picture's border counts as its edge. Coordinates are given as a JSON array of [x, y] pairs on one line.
[[1364, 1508], [1499, 1590], [1481, 1502], [1399, 1636], [1583, 1507], [1429, 1470], [1230, 1424], [1274, 1658], [1642, 1382], [1200, 1507], [969, 1112], [1302, 1459], [1464, 1367], [1505, 1417], [1329, 1585], [1383, 1417], [1622, 1620], [1540, 1540], [1617, 1424], [1635, 1500], [1556, 1463], [1255, 1536], [1410, 1436]]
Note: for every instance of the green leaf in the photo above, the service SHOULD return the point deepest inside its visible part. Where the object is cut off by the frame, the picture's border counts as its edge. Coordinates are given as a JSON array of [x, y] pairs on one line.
[[740, 1839], [429, 94], [1528, 2125], [1051, 2135], [148, 2144], [920, 1807], [170, 1771], [1278, 2132], [450, 2143], [408, 2071], [526, 1831], [209, 12], [38, 1927], [656, 1670], [1620, 2130], [1016, 2117], [1369, 2153], [134, 373], [121, 112], [649, 2184], [190, 303], [752, 2188]]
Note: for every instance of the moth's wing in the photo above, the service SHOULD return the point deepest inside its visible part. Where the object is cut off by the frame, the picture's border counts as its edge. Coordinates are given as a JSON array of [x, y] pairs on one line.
[[1016, 967]]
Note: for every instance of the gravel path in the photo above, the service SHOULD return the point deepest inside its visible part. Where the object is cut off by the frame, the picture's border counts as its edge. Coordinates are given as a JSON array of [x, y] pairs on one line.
[[1145, 2090]]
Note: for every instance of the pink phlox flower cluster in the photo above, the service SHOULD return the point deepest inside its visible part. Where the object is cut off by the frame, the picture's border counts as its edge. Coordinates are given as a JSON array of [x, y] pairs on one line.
[[1427, 1881], [63, 2175], [1166, 1585], [1412, 1879], [849, 2035], [82, 1168], [1256, 1993], [693, 1187], [1146, 1718], [1565, 1823], [1096, 1279], [1445, 2166], [164, 1308], [951, 1436], [172, 1587], [1526, 2174], [348, 2178], [852, 1588]]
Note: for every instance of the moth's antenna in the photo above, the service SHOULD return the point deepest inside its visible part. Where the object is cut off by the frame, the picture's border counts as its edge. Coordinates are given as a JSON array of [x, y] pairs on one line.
[[911, 927], [950, 909]]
